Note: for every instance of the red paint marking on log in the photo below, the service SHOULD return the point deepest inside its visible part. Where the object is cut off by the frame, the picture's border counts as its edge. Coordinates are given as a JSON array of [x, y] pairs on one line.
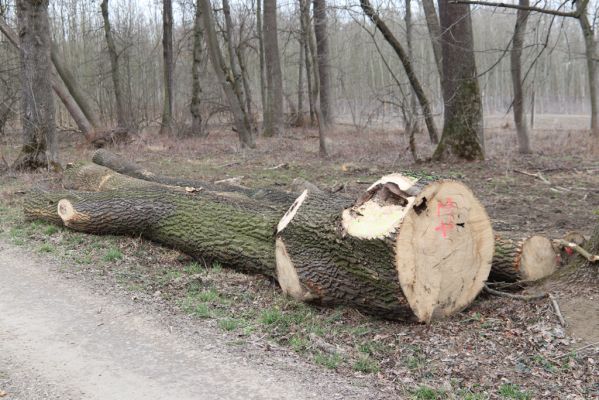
[[569, 250], [445, 215]]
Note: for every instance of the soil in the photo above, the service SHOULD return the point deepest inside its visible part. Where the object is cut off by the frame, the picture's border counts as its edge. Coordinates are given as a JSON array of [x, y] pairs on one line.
[[497, 348]]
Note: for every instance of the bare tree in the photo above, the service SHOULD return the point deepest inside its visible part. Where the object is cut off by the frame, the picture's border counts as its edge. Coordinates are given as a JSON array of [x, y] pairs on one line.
[[407, 65], [463, 125], [242, 124], [591, 53], [434, 30], [324, 67], [40, 148], [196, 88], [309, 50], [273, 112], [166, 126], [516, 71], [260, 34], [411, 120], [121, 114]]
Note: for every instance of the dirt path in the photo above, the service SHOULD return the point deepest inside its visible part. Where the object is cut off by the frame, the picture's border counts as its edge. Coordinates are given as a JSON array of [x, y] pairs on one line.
[[59, 339]]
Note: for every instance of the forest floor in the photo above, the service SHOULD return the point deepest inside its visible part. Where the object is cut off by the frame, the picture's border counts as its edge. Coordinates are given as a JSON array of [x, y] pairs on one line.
[[497, 348]]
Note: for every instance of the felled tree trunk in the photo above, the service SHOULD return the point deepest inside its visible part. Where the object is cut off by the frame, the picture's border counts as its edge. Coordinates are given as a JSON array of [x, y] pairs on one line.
[[526, 260], [405, 250], [416, 246]]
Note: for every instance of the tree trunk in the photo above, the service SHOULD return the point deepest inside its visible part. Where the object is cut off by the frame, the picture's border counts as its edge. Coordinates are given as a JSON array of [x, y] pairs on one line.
[[307, 41], [526, 260], [121, 113], [299, 118], [516, 70], [234, 68], [411, 122], [324, 67], [273, 113], [166, 126], [590, 54], [242, 124], [40, 147], [463, 127], [407, 65], [59, 87], [434, 30], [375, 256], [260, 34], [78, 95], [196, 87], [72, 107]]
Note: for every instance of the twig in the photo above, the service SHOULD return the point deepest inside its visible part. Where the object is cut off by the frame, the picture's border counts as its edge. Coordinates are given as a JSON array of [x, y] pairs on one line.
[[283, 166], [590, 257], [230, 164], [515, 296], [562, 321], [538, 175], [234, 180], [574, 351], [573, 14]]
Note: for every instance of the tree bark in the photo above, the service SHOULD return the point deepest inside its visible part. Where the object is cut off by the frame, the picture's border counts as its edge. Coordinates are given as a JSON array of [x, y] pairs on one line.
[[77, 94], [72, 107], [234, 68], [324, 67], [166, 126], [273, 115], [308, 55], [197, 127], [407, 65], [40, 147], [434, 30], [590, 53], [411, 123], [462, 136], [241, 121], [121, 113], [260, 33], [516, 70]]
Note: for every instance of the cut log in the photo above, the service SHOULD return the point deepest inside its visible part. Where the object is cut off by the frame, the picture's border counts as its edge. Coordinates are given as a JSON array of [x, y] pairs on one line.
[[42, 205], [526, 260], [413, 245]]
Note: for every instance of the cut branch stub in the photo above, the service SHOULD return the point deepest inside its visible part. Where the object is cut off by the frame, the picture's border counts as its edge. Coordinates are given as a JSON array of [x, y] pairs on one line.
[[409, 247]]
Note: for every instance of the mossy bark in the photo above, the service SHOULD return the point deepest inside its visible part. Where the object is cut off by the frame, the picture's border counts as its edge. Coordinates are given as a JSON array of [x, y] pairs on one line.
[[462, 136], [340, 269]]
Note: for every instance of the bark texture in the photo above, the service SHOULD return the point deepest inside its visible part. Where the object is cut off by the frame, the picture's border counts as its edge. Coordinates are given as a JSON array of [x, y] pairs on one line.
[[40, 148], [463, 127], [167, 52], [324, 67], [273, 113], [434, 30], [115, 71], [517, 84], [197, 127]]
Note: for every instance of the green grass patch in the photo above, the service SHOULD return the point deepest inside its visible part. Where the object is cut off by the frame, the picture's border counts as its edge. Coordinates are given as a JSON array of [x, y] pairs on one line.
[[428, 393], [511, 391], [112, 254], [51, 230], [330, 361], [228, 324], [366, 365], [47, 248]]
